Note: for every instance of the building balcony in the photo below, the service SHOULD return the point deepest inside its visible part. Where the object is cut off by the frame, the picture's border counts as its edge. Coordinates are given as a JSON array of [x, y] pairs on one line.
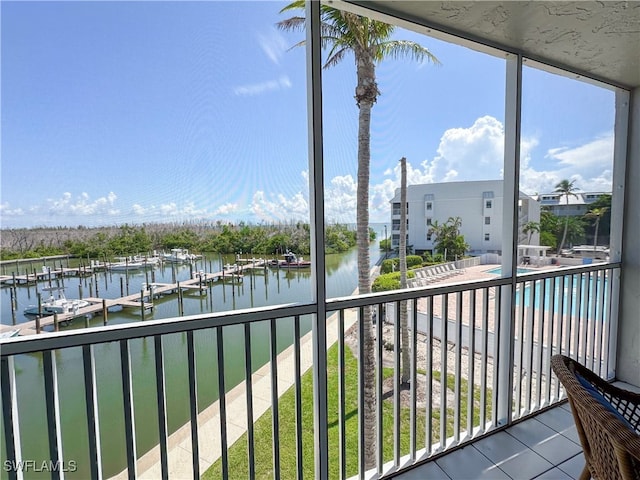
[[473, 380], [285, 387]]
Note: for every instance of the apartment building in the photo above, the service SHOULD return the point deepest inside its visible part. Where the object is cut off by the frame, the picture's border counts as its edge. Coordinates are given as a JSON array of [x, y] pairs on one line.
[[575, 205], [477, 203]]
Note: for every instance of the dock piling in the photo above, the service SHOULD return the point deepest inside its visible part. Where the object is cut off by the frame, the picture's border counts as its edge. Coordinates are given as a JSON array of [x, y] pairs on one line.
[[13, 307], [104, 312]]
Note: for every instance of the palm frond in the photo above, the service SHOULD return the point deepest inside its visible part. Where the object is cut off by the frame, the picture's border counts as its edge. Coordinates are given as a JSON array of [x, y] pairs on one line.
[[404, 48], [335, 57], [295, 5], [344, 31], [293, 24]]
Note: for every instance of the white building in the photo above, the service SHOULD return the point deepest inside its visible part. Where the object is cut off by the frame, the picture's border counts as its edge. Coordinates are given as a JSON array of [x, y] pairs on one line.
[[478, 204], [576, 204]]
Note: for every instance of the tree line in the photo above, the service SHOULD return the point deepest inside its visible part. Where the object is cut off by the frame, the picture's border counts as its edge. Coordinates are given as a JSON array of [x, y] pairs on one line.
[[131, 239]]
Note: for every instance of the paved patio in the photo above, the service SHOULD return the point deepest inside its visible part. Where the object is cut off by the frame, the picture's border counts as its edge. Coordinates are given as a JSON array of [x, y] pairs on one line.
[[545, 446]]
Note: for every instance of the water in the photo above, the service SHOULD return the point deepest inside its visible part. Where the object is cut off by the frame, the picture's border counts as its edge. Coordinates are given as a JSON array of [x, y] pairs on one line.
[[592, 289], [498, 271], [266, 288]]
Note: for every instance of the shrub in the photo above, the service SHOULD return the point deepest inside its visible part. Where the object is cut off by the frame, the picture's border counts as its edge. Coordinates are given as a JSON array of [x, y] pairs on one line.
[[389, 265], [393, 264], [388, 281], [414, 261]]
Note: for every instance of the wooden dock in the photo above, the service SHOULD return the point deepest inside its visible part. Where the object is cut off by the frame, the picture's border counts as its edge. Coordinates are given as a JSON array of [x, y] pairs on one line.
[[142, 300], [46, 274]]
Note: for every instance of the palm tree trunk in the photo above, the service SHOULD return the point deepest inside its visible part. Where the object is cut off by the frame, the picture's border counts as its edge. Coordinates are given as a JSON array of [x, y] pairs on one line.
[[404, 339], [595, 237], [564, 235], [366, 78]]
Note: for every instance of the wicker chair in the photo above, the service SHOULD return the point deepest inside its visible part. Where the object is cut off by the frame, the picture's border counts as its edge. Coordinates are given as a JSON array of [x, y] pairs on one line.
[[607, 419]]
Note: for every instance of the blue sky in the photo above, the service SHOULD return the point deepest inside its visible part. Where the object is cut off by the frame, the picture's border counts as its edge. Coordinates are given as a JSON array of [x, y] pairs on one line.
[[132, 112]]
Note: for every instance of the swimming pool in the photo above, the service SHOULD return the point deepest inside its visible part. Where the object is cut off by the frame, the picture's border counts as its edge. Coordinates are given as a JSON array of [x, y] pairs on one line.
[[498, 270], [590, 292], [582, 293]]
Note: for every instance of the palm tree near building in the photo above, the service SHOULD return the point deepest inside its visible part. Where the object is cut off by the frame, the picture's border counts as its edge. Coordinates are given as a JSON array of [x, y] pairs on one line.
[[596, 214], [370, 42], [575, 230], [566, 188], [448, 240], [529, 229]]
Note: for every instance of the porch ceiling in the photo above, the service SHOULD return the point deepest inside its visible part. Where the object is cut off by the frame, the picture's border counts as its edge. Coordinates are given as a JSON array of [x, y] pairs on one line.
[[597, 39]]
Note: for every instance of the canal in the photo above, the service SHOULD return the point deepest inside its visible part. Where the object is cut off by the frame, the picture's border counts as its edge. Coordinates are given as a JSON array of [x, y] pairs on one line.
[[266, 287]]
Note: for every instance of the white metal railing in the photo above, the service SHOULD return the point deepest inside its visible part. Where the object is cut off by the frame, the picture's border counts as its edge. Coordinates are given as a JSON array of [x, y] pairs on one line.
[[453, 395]]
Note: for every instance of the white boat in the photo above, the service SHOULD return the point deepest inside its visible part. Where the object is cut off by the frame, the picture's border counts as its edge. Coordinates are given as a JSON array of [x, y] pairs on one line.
[[136, 262], [57, 303], [291, 260], [180, 255], [9, 334]]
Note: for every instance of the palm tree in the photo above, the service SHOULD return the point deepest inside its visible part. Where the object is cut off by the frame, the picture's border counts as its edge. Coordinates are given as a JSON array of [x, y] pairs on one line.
[[449, 241], [596, 214], [575, 230], [529, 229], [566, 189], [370, 42], [404, 339]]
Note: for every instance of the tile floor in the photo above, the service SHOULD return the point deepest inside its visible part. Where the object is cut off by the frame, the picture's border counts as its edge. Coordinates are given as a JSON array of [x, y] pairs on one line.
[[543, 447]]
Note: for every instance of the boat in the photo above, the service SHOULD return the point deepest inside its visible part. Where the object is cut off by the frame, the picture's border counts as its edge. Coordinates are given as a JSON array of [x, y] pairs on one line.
[[57, 303], [136, 262], [9, 334], [180, 255], [291, 260]]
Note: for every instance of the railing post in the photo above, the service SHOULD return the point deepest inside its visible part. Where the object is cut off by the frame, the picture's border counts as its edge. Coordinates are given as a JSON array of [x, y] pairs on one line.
[[504, 328], [10, 416], [316, 208], [53, 412]]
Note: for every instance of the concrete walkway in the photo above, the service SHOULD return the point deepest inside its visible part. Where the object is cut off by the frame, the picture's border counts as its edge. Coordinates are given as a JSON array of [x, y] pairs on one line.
[[179, 444]]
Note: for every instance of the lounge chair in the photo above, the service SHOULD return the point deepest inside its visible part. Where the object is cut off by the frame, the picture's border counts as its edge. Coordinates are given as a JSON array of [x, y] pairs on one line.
[[607, 419]]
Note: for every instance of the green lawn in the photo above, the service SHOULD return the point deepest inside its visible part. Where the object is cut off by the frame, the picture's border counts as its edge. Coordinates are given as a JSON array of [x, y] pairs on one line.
[[238, 462]]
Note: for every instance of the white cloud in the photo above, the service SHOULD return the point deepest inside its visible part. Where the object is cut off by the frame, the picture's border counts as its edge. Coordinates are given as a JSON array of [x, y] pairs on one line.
[[82, 205], [259, 88], [138, 209], [466, 153], [588, 165], [273, 44], [226, 209], [188, 210], [278, 208], [6, 210], [591, 155], [477, 152], [340, 200], [473, 153]]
